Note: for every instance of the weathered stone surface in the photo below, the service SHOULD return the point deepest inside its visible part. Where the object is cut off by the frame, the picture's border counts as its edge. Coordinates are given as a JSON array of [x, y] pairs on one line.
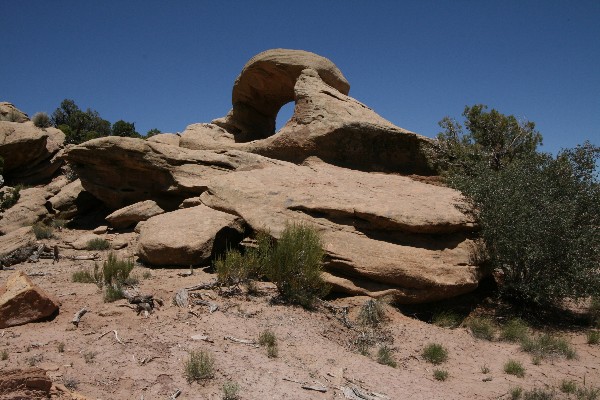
[[383, 234], [20, 384], [81, 243], [71, 200], [122, 171], [22, 302], [28, 210], [191, 236], [13, 241], [165, 138], [28, 151], [266, 83], [8, 112], [129, 216]]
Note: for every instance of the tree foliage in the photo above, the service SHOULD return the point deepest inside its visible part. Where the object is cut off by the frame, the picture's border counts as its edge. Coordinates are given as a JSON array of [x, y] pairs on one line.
[[539, 215]]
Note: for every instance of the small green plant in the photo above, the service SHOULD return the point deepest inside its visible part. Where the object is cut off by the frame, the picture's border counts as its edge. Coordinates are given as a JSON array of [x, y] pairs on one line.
[[61, 347], [546, 345], [147, 275], [268, 339], [115, 271], [231, 269], [593, 337], [482, 328], [447, 319], [230, 391], [515, 330], [199, 366], [97, 244], [485, 369], [371, 313], [539, 394], [568, 386], [42, 231], [516, 393], [440, 375], [587, 393], [112, 293], [83, 276], [4, 355], [513, 367], [89, 356], [435, 353], [41, 120], [384, 356], [58, 223]]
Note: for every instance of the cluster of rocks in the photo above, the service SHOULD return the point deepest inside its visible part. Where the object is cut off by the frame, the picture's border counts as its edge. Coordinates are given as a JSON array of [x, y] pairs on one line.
[[336, 165]]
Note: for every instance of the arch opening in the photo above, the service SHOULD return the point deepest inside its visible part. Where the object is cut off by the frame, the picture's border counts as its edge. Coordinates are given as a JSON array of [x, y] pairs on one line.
[[284, 114]]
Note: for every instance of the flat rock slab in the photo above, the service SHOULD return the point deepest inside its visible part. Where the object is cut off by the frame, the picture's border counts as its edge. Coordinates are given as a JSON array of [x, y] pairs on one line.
[[129, 216], [190, 236], [383, 234], [22, 302]]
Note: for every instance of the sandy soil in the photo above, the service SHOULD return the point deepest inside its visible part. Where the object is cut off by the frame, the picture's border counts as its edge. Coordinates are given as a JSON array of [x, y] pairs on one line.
[[315, 347]]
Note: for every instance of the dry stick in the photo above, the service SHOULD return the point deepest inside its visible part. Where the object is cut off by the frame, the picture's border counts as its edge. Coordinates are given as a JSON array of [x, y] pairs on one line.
[[116, 336], [78, 316], [212, 307], [93, 256], [321, 389], [176, 394], [208, 285], [242, 341]]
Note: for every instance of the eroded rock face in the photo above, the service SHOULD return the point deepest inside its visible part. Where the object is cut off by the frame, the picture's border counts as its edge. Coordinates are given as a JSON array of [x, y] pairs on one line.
[[8, 112], [22, 302], [266, 83], [30, 383], [129, 216], [383, 234], [13, 241], [122, 171], [190, 236], [71, 200], [29, 151]]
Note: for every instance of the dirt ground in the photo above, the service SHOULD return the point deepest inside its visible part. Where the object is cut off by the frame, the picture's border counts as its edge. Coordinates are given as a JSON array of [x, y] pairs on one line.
[[314, 347]]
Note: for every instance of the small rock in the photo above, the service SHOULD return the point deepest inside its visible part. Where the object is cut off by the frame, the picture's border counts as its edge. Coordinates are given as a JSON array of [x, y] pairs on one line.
[[101, 230]]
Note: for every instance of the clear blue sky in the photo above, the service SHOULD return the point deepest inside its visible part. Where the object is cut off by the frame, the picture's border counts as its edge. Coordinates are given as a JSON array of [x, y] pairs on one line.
[[167, 64]]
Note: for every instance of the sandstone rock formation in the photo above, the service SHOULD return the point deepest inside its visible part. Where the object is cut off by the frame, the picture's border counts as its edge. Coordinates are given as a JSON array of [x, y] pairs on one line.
[[30, 383], [71, 201], [8, 112], [129, 216], [383, 234], [13, 241], [22, 302], [29, 152], [122, 171], [189, 236], [165, 138]]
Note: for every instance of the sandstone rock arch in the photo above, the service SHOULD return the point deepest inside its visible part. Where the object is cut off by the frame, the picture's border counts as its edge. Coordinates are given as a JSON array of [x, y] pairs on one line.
[[266, 83]]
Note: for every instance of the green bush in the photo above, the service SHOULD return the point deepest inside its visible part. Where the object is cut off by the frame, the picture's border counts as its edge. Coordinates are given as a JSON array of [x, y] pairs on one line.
[[42, 231], [447, 319], [199, 366], [594, 311], [435, 353], [41, 120], [268, 339], [539, 394], [593, 337], [83, 276], [538, 214], [482, 327], [295, 265], [515, 330], [440, 375], [230, 391], [384, 356], [513, 367], [97, 244], [546, 345], [115, 271]]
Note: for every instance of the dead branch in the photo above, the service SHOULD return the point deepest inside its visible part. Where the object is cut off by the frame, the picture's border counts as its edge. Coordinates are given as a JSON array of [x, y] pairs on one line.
[[77, 318], [116, 336], [316, 388], [204, 286], [212, 307], [242, 341], [93, 256]]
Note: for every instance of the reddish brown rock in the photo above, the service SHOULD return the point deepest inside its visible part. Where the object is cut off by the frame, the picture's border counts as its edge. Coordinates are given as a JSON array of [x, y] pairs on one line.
[[191, 236], [22, 302], [20, 384]]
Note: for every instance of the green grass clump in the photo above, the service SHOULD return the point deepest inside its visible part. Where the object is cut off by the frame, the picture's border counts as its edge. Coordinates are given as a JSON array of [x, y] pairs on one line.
[[546, 345], [232, 268], [440, 375], [593, 337], [268, 339], [113, 293], [371, 313], [435, 353], [568, 386], [42, 231], [97, 244], [447, 319], [384, 356], [515, 330], [513, 367], [89, 357], [199, 366], [482, 328], [115, 270], [516, 393], [4, 355], [230, 391], [539, 394], [84, 276]]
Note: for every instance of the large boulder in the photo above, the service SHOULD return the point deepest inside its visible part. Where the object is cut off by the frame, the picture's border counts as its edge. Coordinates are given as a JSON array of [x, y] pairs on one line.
[[191, 236], [29, 209], [30, 383], [129, 216], [29, 152], [266, 83], [122, 171], [12, 242], [8, 112], [22, 302], [383, 234]]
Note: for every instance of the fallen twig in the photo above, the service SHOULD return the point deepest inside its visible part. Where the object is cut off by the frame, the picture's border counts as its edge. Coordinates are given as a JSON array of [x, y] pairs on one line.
[[116, 336], [316, 388], [242, 341], [176, 394], [93, 256], [77, 318], [201, 286], [212, 307]]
